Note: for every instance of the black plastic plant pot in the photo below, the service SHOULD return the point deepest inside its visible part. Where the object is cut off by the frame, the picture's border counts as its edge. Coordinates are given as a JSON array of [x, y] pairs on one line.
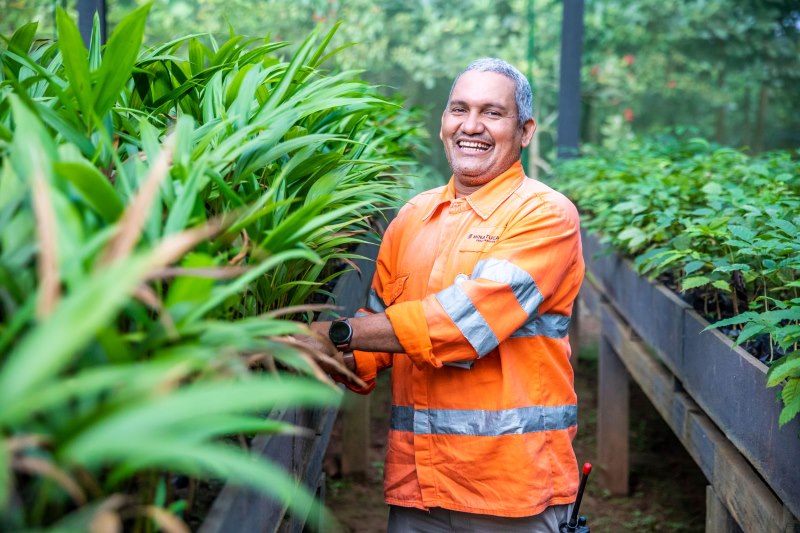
[[654, 312]]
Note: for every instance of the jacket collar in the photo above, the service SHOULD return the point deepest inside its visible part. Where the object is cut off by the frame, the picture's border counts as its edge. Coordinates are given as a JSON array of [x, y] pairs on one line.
[[488, 198]]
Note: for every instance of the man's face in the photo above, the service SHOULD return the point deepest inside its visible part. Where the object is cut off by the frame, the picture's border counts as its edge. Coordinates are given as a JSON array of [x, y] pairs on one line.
[[479, 128]]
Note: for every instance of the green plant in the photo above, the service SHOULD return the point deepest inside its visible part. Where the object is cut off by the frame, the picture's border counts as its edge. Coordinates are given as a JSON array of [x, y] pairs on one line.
[[718, 225], [161, 220]]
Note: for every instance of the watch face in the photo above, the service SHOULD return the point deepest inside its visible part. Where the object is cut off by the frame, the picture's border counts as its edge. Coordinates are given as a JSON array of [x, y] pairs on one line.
[[340, 332]]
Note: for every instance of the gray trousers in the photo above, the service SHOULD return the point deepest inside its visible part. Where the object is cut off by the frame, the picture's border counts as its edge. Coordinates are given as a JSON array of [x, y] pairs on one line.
[[438, 520]]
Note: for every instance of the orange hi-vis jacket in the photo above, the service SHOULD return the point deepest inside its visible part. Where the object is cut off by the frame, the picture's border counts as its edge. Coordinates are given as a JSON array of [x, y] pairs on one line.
[[479, 291]]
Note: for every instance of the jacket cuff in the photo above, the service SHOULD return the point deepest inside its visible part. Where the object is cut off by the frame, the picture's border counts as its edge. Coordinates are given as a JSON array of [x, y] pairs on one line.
[[366, 369], [411, 328]]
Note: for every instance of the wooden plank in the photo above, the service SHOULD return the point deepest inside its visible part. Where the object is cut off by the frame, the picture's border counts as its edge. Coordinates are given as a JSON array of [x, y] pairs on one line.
[[743, 492], [612, 421], [730, 386], [738, 487], [589, 296], [718, 519]]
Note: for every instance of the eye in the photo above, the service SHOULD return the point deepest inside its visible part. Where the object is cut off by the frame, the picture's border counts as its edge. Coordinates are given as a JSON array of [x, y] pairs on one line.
[[492, 113], [457, 110]]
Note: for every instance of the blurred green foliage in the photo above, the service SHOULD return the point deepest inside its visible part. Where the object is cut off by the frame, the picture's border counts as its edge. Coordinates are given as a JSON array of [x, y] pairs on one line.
[[730, 69]]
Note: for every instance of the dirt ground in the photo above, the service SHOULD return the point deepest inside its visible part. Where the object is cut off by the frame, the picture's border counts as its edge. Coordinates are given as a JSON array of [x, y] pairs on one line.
[[667, 489]]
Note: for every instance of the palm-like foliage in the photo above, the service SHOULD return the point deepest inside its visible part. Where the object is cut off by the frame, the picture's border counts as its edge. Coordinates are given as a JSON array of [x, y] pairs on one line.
[[157, 213]]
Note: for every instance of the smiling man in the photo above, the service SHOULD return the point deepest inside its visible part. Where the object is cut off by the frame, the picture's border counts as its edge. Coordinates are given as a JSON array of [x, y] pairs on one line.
[[470, 306]]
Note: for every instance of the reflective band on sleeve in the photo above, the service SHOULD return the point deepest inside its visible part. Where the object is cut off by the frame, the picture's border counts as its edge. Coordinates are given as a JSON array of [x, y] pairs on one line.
[[480, 423], [466, 364], [467, 319], [374, 302], [521, 283], [550, 326], [402, 418]]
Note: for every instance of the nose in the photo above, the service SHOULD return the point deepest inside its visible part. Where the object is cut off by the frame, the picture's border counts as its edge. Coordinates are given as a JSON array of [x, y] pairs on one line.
[[472, 123]]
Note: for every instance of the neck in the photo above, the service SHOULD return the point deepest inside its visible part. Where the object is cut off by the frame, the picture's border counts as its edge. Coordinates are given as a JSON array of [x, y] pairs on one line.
[[462, 190]]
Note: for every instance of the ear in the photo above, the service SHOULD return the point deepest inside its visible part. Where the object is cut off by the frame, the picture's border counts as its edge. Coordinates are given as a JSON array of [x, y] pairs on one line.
[[527, 132], [441, 127]]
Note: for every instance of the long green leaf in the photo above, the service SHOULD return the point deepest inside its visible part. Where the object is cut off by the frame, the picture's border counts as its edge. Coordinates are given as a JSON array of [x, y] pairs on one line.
[[43, 352], [119, 58], [76, 63], [93, 187]]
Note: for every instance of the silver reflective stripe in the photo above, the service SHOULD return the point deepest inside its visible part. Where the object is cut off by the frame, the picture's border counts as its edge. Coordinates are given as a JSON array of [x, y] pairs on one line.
[[521, 283], [402, 418], [551, 326], [375, 302], [467, 319], [481, 423], [466, 364]]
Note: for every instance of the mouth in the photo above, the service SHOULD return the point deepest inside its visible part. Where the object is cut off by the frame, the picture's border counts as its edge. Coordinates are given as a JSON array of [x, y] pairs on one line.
[[473, 147]]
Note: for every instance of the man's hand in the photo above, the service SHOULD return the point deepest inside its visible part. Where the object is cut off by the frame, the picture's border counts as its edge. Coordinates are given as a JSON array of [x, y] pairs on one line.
[[331, 360]]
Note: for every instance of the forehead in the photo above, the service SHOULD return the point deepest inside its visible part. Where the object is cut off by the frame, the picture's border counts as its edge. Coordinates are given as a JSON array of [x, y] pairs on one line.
[[476, 88]]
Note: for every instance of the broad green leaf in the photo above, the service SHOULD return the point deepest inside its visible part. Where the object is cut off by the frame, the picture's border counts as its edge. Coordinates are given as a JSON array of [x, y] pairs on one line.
[[738, 319], [634, 236], [784, 368], [93, 187], [791, 400], [742, 233], [731, 268], [750, 330], [721, 285], [694, 282], [693, 266]]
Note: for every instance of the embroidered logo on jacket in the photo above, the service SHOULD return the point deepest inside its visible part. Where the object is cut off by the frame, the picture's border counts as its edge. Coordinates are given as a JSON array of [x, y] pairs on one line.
[[482, 237]]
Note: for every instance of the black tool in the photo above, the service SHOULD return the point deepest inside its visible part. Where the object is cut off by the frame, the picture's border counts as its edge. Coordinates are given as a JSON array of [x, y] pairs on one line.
[[578, 524]]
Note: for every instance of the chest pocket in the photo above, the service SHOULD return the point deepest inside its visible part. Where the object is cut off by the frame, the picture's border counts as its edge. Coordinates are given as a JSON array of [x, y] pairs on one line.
[[480, 239]]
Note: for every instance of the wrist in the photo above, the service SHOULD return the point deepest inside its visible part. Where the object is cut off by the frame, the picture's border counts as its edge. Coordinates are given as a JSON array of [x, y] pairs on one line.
[[340, 333]]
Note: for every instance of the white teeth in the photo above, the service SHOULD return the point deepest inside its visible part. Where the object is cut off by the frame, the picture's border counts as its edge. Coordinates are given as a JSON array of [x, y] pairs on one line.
[[474, 145]]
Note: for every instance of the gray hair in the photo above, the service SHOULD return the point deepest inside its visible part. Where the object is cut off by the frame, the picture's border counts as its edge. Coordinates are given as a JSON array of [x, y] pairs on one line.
[[522, 89]]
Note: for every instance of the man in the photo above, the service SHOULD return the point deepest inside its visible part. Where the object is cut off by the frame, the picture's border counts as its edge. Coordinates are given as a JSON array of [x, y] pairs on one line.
[[470, 306]]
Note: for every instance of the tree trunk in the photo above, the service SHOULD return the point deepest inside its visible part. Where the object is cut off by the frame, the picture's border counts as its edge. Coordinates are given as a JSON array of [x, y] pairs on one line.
[[761, 118], [719, 128], [747, 124]]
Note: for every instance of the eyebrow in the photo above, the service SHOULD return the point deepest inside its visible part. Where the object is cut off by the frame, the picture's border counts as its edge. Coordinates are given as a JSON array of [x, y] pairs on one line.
[[497, 106]]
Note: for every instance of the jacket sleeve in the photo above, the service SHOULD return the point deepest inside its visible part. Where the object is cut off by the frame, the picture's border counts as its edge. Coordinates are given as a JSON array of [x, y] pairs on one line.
[[537, 254]]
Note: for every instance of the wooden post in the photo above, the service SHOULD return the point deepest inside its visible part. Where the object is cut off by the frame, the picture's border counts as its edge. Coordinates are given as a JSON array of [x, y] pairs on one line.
[[569, 93], [718, 518], [355, 436], [612, 420], [86, 11]]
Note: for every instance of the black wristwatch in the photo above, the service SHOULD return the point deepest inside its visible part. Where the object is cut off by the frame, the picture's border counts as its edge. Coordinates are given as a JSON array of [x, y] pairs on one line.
[[341, 333]]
